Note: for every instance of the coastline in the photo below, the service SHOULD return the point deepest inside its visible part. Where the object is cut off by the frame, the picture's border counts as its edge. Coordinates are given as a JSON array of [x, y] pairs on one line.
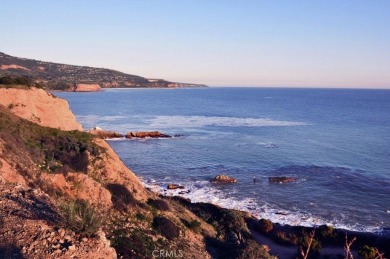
[[213, 228]]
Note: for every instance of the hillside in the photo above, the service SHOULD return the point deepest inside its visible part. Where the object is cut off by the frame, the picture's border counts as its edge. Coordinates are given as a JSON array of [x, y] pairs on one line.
[[66, 77], [66, 194]]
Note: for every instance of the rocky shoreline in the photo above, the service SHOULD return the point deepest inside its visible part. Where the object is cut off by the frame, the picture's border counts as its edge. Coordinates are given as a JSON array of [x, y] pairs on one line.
[[65, 193]]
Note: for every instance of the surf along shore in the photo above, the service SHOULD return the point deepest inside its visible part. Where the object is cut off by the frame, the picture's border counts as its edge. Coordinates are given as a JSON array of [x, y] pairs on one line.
[[49, 158]]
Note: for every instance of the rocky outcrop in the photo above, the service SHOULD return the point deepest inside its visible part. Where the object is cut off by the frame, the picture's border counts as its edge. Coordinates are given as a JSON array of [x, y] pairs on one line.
[[282, 179], [223, 179], [40, 107], [146, 134], [104, 134], [173, 186], [87, 88]]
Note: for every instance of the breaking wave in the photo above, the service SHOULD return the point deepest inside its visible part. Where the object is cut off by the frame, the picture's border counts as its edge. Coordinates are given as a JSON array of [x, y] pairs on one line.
[[202, 121]]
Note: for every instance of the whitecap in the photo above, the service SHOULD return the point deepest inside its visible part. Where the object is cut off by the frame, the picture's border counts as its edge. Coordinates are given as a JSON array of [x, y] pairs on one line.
[[204, 191], [203, 121]]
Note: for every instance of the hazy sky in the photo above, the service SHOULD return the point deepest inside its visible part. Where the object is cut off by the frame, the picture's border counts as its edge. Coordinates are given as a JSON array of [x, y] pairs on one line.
[[332, 43]]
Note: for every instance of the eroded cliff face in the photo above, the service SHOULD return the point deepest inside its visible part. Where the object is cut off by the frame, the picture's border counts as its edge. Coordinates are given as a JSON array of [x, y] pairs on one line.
[[87, 88], [38, 106], [44, 109]]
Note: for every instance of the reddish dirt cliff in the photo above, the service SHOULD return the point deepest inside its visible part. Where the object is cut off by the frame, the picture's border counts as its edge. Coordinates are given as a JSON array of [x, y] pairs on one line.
[[87, 88], [40, 107]]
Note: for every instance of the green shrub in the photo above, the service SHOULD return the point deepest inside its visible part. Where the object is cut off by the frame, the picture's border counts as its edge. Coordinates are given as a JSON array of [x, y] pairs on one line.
[[166, 227], [132, 245], [265, 226], [367, 252], [66, 150], [253, 250], [15, 80], [22, 81], [140, 217], [326, 232], [81, 217], [159, 204], [282, 238], [315, 247], [7, 80], [121, 197], [194, 225]]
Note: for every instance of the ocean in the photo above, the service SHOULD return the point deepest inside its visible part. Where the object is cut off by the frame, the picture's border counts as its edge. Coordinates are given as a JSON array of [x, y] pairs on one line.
[[336, 142]]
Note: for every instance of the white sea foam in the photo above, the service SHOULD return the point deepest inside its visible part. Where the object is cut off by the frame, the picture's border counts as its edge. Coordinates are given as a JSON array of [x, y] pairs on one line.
[[90, 121], [202, 121], [204, 191]]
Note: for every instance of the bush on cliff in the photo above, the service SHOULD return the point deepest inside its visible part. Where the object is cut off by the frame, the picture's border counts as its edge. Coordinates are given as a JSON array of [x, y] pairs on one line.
[[50, 148], [159, 204], [194, 225], [252, 250], [81, 217], [166, 227], [132, 245], [264, 226], [15, 80], [121, 197]]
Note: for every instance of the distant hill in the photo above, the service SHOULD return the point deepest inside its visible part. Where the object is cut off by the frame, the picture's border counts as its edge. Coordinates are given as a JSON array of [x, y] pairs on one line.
[[64, 77]]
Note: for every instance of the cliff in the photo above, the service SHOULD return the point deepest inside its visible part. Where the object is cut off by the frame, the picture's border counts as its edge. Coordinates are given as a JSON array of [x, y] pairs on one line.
[[67, 194], [87, 88], [40, 107], [57, 76], [75, 198]]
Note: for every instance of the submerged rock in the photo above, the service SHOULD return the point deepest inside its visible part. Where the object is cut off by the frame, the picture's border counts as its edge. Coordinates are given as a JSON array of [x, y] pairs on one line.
[[146, 134], [282, 179], [223, 179]]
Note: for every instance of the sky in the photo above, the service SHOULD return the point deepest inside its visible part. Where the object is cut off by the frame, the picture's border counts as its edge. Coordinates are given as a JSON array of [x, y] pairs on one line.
[[270, 43]]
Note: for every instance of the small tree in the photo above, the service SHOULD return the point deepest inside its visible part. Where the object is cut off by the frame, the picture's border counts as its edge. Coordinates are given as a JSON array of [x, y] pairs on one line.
[[305, 253]]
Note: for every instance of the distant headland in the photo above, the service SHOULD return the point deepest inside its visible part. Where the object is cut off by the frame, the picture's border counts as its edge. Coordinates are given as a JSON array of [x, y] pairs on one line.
[[55, 76]]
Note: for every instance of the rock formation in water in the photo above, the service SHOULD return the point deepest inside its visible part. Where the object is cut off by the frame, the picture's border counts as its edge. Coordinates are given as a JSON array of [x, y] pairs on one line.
[[223, 179], [146, 134], [104, 134]]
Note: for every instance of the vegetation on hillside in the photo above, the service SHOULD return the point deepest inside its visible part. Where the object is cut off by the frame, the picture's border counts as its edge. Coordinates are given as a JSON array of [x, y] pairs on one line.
[[63, 77], [21, 82], [51, 149]]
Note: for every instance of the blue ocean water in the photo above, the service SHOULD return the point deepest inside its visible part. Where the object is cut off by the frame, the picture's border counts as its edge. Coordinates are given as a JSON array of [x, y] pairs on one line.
[[335, 141]]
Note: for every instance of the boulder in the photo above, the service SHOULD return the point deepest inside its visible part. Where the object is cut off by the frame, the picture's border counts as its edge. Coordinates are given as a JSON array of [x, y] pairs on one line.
[[282, 179], [223, 179], [105, 134], [146, 134], [173, 186]]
